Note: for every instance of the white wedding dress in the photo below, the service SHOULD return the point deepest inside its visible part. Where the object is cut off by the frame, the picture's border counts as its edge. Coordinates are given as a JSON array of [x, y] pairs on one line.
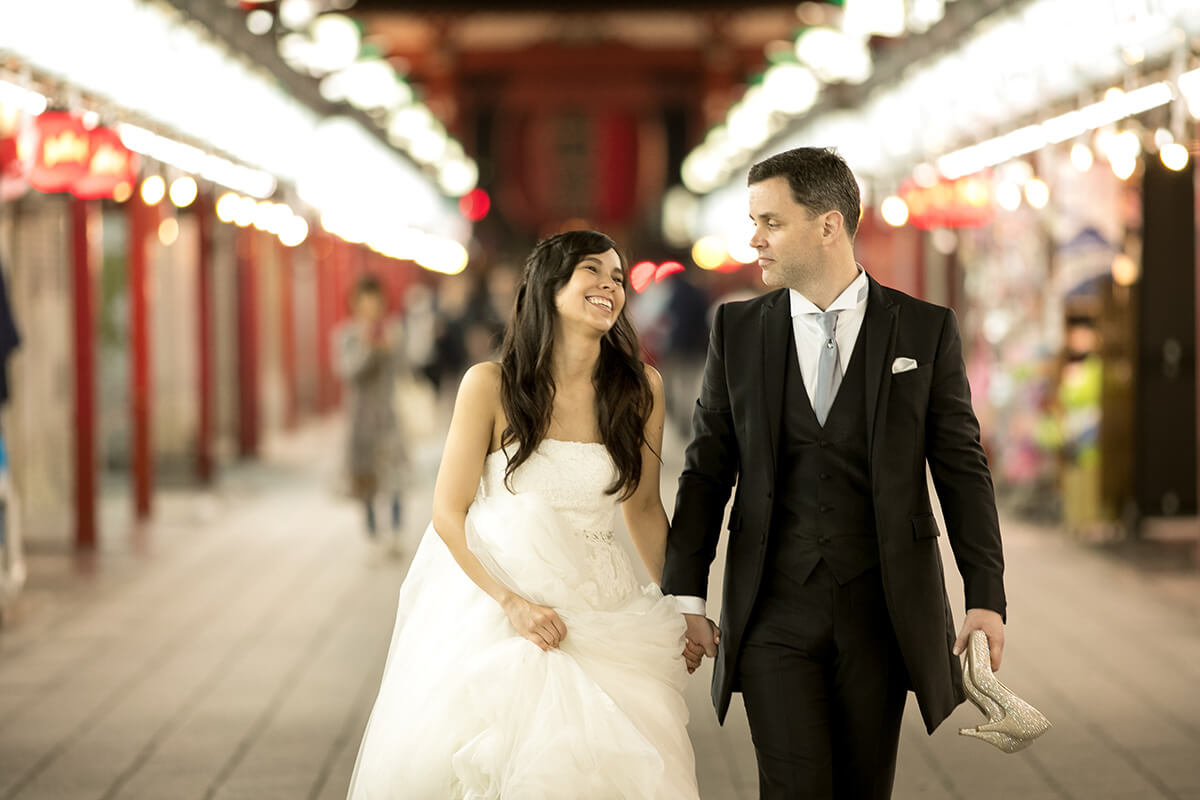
[[469, 709]]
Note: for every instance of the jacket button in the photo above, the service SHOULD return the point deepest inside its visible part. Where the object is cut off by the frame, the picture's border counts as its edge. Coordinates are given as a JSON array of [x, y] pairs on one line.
[[826, 509], [823, 540], [822, 443], [824, 476]]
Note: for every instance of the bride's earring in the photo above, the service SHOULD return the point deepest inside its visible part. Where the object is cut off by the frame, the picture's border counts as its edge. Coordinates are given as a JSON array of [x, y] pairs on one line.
[[1012, 723]]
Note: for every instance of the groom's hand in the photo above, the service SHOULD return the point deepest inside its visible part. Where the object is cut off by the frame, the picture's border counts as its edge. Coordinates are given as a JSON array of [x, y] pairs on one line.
[[703, 636], [992, 624]]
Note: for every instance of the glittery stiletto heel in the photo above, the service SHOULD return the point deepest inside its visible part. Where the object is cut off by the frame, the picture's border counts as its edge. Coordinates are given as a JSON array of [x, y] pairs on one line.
[[1012, 723]]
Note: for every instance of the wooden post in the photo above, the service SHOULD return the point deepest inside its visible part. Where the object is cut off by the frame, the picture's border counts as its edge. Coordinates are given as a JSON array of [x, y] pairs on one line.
[[141, 225], [204, 352], [85, 376]]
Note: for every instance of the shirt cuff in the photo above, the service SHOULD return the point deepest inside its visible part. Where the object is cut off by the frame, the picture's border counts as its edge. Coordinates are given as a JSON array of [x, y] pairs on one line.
[[689, 605]]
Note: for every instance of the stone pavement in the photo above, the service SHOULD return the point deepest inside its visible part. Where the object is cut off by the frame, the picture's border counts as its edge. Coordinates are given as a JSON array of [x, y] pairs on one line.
[[233, 651]]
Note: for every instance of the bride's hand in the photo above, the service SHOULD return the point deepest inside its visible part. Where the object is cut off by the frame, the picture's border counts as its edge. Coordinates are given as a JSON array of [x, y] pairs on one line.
[[539, 624]]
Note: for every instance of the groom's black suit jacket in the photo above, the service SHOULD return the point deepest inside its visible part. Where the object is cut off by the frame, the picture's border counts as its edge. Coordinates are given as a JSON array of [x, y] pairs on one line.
[[912, 417]]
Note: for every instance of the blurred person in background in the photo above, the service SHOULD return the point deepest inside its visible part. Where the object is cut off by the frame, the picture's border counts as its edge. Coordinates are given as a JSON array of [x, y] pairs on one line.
[[823, 400], [686, 343], [368, 353], [526, 659]]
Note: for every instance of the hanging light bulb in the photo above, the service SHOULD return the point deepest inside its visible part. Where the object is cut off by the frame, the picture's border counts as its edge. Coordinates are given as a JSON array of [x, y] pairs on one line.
[[1081, 157], [1174, 156], [1037, 192], [154, 189], [894, 211]]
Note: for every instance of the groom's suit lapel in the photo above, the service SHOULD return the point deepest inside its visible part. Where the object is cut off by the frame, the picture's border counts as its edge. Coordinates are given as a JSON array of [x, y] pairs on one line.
[[879, 341], [776, 322]]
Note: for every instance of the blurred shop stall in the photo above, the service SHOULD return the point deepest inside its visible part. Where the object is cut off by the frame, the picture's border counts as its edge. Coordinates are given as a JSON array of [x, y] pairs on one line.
[[182, 215], [1031, 165]]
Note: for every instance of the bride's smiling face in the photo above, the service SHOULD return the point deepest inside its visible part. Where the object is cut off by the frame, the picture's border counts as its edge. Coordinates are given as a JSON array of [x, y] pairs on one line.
[[594, 295]]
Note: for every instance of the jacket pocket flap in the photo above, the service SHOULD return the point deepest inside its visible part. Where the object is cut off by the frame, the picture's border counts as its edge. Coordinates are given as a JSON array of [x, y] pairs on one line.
[[925, 527]]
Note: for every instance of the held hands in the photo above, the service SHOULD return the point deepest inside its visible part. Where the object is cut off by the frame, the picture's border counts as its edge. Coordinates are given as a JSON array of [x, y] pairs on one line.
[[539, 624], [703, 636], [991, 623]]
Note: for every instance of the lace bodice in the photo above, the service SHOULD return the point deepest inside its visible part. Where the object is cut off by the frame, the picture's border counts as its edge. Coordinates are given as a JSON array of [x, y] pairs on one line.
[[571, 477]]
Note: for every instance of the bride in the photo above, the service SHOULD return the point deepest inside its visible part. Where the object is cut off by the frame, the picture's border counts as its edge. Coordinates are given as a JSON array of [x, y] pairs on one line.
[[526, 661]]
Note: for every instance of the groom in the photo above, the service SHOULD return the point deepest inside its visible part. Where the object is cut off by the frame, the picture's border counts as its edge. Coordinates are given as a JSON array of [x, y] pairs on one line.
[[823, 401]]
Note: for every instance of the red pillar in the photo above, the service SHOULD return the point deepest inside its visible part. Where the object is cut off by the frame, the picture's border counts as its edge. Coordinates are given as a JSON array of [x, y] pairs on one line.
[[204, 356], [142, 220], [85, 376], [323, 265], [287, 338], [247, 344]]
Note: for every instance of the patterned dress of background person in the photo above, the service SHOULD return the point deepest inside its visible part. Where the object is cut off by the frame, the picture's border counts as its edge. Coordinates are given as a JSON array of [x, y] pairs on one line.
[[368, 356]]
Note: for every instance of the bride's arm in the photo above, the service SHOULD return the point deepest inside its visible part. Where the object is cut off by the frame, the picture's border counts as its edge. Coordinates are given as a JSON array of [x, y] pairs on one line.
[[644, 514], [467, 444]]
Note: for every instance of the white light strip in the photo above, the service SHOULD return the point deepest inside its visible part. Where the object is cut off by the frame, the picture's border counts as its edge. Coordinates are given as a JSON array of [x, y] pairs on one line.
[[1117, 106], [27, 100], [253, 182]]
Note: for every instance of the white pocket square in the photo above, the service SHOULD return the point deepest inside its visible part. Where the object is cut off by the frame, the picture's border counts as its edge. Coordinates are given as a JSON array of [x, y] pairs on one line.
[[903, 365]]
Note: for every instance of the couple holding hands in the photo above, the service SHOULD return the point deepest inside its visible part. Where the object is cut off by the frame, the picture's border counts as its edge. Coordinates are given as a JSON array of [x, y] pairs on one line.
[[527, 661]]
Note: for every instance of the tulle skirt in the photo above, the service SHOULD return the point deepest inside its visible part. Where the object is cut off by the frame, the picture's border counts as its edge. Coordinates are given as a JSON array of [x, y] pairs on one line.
[[469, 709]]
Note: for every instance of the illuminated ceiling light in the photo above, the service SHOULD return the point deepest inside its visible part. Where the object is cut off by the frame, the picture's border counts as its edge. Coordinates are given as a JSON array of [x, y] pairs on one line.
[[791, 88], [740, 250], [184, 191], [1123, 166], [243, 214], [894, 211], [168, 231], [1081, 156], [259, 22], [1008, 196], [227, 206], [709, 252], [866, 18], [1189, 87], [429, 145], [834, 56], [1124, 270], [458, 177], [406, 124], [336, 42], [122, 192], [31, 102], [154, 189], [924, 14], [372, 83], [749, 121], [1037, 193], [1162, 138], [1174, 156], [443, 255], [297, 14], [294, 232]]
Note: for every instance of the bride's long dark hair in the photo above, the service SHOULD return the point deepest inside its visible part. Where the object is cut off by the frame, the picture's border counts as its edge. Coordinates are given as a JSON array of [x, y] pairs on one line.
[[623, 396]]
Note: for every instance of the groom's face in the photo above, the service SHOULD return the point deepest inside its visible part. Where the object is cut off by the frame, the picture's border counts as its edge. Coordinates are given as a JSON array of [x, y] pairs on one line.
[[787, 235]]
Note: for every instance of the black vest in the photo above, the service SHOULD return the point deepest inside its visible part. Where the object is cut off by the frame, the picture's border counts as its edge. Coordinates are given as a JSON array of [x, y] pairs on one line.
[[823, 506]]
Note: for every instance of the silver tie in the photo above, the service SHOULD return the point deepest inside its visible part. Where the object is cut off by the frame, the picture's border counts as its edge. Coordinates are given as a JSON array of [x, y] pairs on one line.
[[829, 370]]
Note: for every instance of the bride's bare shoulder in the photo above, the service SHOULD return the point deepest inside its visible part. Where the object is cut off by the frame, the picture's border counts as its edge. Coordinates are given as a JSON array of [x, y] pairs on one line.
[[479, 390]]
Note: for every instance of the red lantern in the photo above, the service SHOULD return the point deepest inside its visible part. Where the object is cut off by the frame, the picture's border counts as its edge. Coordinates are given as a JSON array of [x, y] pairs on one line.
[[62, 152], [109, 165]]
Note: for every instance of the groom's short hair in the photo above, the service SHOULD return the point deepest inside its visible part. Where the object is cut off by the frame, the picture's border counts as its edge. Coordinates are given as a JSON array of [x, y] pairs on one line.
[[820, 179]]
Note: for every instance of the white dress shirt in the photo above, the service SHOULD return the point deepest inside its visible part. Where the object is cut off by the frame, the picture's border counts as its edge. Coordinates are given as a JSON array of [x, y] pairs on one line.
[[810, 338]]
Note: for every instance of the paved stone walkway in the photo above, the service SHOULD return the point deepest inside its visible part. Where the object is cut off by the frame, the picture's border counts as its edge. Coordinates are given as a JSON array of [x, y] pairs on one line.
[[233, 651]]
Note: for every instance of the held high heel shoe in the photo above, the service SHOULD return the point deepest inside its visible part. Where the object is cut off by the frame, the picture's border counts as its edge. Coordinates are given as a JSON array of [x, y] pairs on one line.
[[1012, 723]]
